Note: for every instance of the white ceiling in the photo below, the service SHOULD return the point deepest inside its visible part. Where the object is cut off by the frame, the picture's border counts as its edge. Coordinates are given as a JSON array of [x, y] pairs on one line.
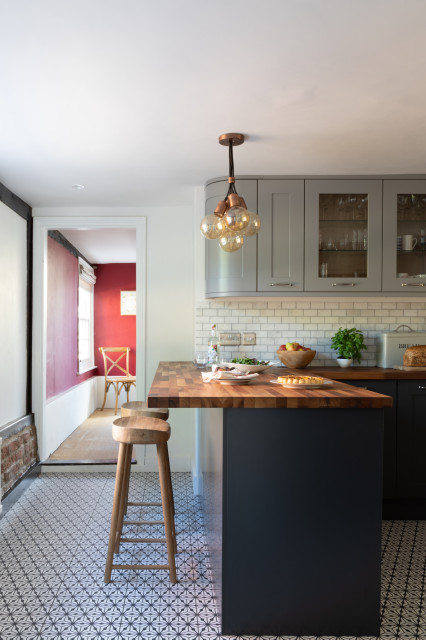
[[104, 246], [129, 97]]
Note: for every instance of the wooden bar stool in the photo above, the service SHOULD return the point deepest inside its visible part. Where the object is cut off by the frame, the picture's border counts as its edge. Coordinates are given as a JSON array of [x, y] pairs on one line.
[[139, 430], [140, 408]]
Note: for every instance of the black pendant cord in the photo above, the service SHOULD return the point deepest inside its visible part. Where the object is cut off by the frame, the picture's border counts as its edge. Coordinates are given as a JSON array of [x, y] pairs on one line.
[[231, 188]]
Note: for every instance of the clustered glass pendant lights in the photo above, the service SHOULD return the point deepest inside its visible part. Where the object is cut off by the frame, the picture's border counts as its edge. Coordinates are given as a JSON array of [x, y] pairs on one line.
[[231, 222]]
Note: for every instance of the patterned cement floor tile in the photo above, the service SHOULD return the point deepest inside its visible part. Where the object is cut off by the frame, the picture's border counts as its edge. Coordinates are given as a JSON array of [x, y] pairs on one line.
[[52, 560]]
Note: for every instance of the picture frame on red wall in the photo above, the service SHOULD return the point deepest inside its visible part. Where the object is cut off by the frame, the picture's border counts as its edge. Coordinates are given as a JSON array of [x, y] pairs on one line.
[[128, 303]]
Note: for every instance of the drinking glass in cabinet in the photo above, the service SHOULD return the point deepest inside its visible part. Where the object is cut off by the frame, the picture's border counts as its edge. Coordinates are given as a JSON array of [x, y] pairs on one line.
[[411, 235], [343, 239]]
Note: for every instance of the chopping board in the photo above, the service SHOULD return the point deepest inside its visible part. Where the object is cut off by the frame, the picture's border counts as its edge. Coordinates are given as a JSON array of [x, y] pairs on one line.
[[403, 367]]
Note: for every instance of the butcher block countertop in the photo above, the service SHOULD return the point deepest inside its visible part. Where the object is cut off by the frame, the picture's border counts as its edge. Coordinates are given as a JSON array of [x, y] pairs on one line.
[[179, 385], [366, 373]]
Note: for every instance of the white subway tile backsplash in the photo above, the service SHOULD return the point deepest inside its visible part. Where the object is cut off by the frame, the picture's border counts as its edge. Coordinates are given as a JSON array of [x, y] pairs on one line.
[[309, 321]]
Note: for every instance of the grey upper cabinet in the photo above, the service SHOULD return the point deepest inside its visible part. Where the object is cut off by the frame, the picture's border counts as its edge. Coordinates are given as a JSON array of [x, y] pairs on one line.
[[324, 236], [231, 273], [404, 236], [281, 237], [343, 231]]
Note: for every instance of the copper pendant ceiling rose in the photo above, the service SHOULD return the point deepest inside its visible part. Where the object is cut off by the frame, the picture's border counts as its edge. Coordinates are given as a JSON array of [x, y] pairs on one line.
[[231, 138], [231, 221]]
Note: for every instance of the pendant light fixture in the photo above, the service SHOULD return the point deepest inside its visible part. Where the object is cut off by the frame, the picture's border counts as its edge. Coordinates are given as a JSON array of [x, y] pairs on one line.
[[231, 222]]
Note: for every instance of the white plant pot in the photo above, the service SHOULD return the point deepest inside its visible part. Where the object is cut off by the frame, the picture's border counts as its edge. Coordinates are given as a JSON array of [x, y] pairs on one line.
[[345, 362]]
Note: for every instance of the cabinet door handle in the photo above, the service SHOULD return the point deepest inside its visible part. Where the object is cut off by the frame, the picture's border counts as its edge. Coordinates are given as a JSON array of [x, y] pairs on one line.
[[412, 284], [281, 284], [344, 284], [420, 387]]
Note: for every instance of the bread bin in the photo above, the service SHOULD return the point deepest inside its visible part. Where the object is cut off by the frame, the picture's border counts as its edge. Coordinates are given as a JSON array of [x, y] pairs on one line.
[[391, 345]]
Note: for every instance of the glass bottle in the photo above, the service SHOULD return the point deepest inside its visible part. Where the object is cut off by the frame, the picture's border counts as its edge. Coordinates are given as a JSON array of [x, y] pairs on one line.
[[213, 347]]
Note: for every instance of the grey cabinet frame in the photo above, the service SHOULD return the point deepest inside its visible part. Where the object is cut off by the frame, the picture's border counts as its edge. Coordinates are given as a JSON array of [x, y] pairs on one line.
[[231, 273], [391, 189], [313, 282], [281, 239]]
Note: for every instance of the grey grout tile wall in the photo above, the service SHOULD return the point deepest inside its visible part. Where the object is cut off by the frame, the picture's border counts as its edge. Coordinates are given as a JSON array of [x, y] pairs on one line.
[[310, 321]]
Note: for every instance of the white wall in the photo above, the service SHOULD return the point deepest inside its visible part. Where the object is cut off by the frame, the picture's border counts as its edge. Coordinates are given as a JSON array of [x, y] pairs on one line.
[[170, 302], [71, 408], [13, 314]]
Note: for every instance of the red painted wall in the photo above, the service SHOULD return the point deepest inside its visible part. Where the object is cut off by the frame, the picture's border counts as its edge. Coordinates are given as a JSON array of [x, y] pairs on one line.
[[112, 329], [62, 292]]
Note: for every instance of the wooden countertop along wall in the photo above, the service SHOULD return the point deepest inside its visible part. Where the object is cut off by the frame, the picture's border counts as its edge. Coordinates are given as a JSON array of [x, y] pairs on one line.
[[366, 373], [179, 384]]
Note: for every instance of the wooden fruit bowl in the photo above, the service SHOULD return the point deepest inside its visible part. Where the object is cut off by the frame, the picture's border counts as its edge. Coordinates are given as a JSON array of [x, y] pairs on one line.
[[296, 359]]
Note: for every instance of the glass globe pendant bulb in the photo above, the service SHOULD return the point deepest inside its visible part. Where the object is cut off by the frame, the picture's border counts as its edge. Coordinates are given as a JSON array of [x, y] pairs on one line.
[[211, 226], [231, 241], [236, 218], [253, 225]]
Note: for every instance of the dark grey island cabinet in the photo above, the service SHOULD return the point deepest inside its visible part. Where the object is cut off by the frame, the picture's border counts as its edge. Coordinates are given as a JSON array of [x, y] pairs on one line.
[[292, 500]]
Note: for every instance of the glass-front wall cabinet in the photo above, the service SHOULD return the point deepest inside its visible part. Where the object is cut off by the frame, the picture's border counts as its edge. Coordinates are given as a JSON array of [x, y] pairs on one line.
[[404, 235], [343, 235]]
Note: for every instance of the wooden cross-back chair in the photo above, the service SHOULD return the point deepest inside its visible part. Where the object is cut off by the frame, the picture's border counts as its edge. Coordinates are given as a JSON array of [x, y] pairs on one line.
[[121, 381]]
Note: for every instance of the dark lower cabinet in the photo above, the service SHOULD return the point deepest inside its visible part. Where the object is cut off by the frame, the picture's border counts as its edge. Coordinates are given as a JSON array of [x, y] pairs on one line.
[[404, 455], [387, 388], [411, 434]]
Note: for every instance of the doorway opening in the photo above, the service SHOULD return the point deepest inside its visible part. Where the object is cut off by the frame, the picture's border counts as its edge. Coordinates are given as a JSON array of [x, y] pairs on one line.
[[53, 417]]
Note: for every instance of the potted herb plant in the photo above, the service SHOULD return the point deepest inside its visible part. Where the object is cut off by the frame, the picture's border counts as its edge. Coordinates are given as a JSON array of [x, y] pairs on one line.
[[348, 343]]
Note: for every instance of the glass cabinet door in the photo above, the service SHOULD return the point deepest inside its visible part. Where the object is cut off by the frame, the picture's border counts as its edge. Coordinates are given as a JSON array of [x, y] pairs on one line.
[[343, 235], [404, 235]]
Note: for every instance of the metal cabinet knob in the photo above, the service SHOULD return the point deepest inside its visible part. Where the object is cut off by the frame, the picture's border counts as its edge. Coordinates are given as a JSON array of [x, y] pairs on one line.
[[281, 284], [412, 284]]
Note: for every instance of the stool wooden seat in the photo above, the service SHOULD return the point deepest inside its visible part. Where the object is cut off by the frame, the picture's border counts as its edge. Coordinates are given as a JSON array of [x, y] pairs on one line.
[[141, 430], [140, 408]]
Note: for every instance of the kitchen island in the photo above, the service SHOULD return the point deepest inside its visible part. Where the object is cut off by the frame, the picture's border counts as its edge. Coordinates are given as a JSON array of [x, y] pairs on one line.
[[292, 499]]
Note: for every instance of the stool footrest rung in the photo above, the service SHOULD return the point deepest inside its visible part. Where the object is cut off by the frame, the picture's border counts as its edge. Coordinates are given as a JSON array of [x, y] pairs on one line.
[[145, 504], [143, 540], [143, 522], [141, 567]]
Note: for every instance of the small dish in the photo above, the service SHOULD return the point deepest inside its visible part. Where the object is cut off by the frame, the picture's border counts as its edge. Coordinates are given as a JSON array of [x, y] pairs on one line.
[[247, 368], [233, 381], [303, 386]]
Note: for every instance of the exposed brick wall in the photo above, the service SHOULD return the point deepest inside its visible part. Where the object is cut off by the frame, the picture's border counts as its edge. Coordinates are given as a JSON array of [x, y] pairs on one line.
[[18, 454]]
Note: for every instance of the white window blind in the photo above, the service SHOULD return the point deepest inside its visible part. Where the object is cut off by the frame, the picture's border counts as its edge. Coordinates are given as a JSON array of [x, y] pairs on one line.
[[86, 283]]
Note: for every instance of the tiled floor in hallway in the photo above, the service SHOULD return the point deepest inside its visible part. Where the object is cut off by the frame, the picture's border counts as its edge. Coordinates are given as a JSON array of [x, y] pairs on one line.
[[52, 553]]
